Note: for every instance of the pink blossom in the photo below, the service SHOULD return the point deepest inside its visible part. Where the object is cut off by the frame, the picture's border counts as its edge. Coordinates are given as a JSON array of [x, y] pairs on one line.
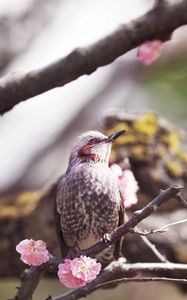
[[33, 253], [149, 52], [127, 185], [116, 169], [66, 277], [85, 268], [78, 272]]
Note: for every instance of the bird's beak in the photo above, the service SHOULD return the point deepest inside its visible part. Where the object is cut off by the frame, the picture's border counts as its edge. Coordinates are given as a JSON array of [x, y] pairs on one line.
[[114, 136]]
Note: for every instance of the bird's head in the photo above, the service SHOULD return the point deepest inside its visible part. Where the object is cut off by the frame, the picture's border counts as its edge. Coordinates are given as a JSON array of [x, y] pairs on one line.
[[93, 146]]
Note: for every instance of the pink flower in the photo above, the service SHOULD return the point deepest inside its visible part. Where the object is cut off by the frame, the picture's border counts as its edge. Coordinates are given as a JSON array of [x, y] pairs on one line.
[[149, 52], [78, 272], [66, 277], [116, 170], [85, 268], [127, 185], [33, 253]]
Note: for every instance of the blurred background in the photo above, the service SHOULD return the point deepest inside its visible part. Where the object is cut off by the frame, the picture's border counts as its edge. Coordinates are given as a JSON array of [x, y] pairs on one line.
[[36, 135]]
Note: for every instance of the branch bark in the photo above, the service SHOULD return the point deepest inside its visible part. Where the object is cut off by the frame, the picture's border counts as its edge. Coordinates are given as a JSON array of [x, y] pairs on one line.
[[30, 282], [121, 272], [83, 61], [30, 279], [135, 219]]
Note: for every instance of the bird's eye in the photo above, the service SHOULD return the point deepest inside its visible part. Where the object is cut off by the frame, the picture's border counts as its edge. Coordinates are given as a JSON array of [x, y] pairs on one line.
[[93, 141]]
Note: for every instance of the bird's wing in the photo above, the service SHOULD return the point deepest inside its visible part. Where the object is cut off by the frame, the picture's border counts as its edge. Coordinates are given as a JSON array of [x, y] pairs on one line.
[[117, 248], [63, 246]]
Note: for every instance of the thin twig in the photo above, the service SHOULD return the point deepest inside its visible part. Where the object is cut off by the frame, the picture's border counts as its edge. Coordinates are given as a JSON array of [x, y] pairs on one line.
[[181, 200], [153, 248], [84, 61], [159, 230], [170, 225], [142, 279]]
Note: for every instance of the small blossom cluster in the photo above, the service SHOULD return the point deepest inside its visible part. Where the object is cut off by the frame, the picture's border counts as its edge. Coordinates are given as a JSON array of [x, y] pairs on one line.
[[127, 183], [72, 273], [79, 271], [33, 253], [149, 52]]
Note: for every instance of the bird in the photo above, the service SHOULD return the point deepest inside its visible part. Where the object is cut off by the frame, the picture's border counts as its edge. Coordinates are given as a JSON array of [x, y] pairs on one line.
[[88, 203]]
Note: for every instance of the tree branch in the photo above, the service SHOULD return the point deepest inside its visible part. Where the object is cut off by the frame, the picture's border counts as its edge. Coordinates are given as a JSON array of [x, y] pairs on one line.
[[143, 279], [30, 279], [135, 219], [154, 249], [18, 87], [159, 4], [30, 282], [159, 230], [122, 272]]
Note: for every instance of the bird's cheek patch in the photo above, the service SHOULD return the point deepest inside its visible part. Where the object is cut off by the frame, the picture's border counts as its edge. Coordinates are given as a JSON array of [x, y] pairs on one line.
[[86, 150]]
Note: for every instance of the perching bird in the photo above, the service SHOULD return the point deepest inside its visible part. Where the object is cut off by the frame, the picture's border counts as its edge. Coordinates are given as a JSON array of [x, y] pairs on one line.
[[88, 204]]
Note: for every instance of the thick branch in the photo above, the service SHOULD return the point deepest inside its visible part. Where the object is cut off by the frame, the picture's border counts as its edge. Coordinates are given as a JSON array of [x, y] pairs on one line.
[[52, 265], [155, 24], [29, 282], [135, 219], [123, 273]]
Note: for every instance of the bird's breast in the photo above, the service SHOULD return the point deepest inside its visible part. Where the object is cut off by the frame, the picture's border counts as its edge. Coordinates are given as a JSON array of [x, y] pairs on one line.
[[88, 200]]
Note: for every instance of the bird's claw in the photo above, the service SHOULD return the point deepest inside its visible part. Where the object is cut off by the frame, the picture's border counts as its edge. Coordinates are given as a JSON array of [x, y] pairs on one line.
[[107, 239]]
